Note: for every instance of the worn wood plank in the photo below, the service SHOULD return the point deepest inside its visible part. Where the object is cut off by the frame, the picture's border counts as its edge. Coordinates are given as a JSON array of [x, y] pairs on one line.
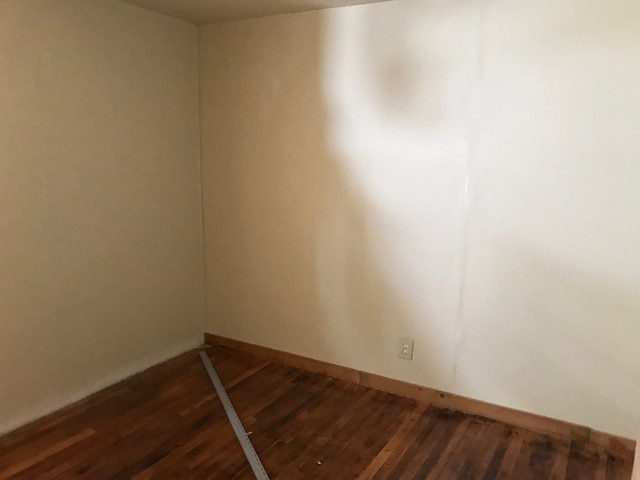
[[168, 423], [620, 446]]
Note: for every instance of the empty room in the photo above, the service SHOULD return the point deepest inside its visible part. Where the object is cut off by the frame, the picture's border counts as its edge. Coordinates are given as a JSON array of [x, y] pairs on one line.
[[319, 239]]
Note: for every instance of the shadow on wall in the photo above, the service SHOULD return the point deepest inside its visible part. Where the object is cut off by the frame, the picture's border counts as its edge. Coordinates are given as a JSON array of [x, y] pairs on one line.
[[340, 204], [341, 210], [397, 80]]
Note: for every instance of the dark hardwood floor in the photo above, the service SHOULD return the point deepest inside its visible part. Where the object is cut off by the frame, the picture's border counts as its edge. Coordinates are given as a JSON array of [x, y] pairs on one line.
[[167, 423]]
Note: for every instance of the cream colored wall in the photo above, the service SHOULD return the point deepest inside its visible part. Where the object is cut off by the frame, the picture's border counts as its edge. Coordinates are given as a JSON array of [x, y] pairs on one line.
[[465, 174], [100, 213]]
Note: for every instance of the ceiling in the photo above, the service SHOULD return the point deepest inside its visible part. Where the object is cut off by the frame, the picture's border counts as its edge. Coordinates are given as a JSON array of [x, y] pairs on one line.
[[208, 11]]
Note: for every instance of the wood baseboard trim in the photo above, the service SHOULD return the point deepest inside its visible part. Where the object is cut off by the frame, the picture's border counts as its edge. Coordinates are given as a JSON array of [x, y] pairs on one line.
[[56, 404], [549, 426]]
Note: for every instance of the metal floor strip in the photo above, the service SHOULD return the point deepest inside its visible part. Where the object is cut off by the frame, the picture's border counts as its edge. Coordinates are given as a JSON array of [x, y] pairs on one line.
[[236, 424]]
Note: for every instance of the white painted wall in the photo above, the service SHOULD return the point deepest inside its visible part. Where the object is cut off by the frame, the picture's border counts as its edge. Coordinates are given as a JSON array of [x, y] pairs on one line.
[[464, 173], [100, 212], [551, 313]]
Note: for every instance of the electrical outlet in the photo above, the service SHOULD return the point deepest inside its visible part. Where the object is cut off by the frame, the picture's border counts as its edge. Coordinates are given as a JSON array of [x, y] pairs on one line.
[[405, 348]]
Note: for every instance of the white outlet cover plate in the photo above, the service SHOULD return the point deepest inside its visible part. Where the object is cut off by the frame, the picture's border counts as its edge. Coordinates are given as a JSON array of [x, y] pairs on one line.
[[405, 348]]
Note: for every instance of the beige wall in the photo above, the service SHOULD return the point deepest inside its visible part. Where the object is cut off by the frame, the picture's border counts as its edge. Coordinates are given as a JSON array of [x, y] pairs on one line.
[[465, 174], [100, 214]]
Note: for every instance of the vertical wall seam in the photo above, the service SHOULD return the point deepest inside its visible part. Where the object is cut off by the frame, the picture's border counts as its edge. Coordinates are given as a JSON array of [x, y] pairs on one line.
[[200, 162], [470, 182], [49, 211]]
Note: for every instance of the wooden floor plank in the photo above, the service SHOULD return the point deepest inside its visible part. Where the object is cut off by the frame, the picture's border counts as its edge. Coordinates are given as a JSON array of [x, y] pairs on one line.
[[511, 455], [559, 469], [167, 422], [460, 451], [476, 456], [505, 441], [399, 437], [537, 457], [588, 462], [618, 467], [424, 454], [422, 429]]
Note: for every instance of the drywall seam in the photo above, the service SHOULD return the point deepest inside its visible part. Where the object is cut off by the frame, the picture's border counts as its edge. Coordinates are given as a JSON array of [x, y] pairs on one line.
[[200, 163], [54, 280], [201, 184], [52, 405], [470, 183]]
